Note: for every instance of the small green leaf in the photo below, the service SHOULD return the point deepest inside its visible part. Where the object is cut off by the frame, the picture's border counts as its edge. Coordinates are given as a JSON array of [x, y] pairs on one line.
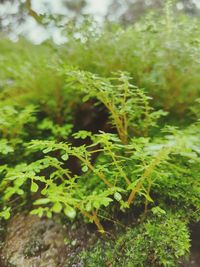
[[44, 191], [38, 212], [20, 191], [70, 212], [117, 196], [57, 207], [147, 196], [19, 181], [88, 206], [5, 213], [65, 156], [42, 201], [49, 214], [82, 134], [47, 150], [84, 168], [34, 187]]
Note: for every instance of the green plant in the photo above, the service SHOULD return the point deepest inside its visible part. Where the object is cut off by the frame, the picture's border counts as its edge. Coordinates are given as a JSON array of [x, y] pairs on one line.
[[55, 156], [126, 166]]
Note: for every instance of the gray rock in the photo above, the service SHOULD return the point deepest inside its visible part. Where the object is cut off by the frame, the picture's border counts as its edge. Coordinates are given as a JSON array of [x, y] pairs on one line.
[[33, 242]]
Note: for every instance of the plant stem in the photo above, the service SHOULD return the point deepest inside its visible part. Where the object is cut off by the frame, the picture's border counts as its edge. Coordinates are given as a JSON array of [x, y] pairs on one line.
[[94, 218], [31, 12], [121, 129], [119, 167], [164, 152], [99, 174]]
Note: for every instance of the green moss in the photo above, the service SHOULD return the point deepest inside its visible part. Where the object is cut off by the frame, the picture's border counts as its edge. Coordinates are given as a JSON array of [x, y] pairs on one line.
[[159, 241]]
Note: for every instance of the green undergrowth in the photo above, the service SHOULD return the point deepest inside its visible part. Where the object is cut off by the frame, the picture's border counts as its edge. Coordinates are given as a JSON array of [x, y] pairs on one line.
[[104, 125], [161, 240]]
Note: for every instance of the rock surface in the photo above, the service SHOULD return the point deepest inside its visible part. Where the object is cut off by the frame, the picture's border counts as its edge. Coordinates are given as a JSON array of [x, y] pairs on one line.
[[33, 242], [194, 260]]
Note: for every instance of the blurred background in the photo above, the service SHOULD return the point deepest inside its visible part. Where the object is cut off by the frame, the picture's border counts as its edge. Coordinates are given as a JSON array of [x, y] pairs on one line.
[[39, 20]]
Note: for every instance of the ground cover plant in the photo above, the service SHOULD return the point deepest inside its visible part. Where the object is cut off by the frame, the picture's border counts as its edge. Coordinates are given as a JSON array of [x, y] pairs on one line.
[[113, 134]]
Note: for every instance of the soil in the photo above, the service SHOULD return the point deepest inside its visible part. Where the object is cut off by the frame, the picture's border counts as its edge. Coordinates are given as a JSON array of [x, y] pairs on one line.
[[34, 242]]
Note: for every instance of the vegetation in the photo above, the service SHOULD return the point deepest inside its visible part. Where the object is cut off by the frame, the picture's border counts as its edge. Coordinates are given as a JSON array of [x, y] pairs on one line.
[[157, 242], [104, 126]]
